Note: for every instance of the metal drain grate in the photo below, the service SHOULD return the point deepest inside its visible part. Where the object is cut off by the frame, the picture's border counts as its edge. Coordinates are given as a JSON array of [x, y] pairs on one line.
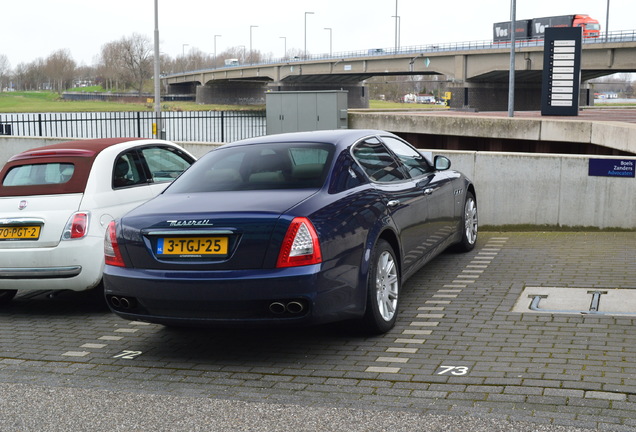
[[577, 301]]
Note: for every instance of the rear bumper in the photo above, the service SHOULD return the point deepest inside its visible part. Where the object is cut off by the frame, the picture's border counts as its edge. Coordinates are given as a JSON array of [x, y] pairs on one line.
[[300, 295], [71, 265]]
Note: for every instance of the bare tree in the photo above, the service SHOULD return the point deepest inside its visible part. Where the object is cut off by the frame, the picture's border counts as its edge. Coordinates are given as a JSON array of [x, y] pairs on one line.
[[59, 68], [137, 59], [4, 70]]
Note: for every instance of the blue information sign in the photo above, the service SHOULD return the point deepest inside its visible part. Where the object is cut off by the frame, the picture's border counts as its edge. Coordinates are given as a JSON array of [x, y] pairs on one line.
[[612, 167]]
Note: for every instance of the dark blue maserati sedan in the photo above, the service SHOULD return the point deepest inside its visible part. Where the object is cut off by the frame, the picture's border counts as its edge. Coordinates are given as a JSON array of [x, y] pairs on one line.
[[298, 228]]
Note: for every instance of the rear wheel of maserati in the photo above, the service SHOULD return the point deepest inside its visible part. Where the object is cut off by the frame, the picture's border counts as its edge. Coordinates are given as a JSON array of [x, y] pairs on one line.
[[6, 296], [383, 290]]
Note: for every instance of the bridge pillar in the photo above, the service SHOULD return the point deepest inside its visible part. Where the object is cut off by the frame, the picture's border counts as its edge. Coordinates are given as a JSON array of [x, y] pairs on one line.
[[232, 93], [357, 94]]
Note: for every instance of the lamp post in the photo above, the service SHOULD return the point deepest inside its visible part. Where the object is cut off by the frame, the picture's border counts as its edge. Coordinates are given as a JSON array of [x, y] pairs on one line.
[[251, 27], [398, 32], [330, 39], [511, 76], [215, 36], [285, 50], [157, 125], [607, 22], [306, 13], [183, 55], [396, 25]]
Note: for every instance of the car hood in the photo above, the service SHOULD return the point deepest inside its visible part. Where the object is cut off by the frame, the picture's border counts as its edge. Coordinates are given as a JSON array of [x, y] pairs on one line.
[[254, 223]]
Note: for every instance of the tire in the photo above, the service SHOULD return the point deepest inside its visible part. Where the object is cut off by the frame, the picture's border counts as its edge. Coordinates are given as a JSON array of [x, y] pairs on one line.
[[383, 290], [6, 296], [469, 224]]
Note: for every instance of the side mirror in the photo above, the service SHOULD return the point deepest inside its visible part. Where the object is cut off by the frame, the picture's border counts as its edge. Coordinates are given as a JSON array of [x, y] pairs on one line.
[[442, 163]]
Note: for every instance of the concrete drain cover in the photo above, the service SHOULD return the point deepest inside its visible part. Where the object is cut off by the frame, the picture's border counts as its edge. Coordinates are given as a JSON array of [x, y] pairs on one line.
[[577, 301]]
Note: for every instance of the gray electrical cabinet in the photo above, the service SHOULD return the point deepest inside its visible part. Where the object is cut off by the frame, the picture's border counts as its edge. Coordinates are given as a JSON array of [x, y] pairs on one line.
[[295, 111]]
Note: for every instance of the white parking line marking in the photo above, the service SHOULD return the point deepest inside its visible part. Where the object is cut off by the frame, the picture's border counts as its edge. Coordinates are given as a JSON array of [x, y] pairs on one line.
[[111, 338], [382, 369], [76, 353], [126, 330], [402, 350], [410, 341], [392, 359], [93, 346]]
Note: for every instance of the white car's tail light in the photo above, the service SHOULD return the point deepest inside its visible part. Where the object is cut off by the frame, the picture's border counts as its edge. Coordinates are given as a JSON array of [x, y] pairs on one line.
[[76, 227], [112, 255], [300, 245]]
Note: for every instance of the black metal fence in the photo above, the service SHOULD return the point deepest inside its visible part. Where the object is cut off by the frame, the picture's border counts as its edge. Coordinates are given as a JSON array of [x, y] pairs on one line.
[[186, 126]]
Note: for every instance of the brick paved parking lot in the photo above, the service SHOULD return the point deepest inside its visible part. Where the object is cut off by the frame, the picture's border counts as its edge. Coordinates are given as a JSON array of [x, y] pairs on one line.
[[458, 351]]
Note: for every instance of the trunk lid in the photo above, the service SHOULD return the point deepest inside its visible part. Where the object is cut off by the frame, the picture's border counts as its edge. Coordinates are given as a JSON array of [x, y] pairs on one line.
[[209, 231], [20, 218]]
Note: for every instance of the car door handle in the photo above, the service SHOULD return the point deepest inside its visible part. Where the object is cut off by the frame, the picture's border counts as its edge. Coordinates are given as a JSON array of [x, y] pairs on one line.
[[428, 191], [393, 203]]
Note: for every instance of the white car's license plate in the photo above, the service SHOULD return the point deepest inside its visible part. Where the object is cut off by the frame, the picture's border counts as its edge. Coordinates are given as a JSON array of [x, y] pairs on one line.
[[20, 232]]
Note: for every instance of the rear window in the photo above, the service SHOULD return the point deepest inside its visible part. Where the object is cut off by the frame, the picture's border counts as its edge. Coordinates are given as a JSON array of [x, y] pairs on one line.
[[255, 167], [39, 174]]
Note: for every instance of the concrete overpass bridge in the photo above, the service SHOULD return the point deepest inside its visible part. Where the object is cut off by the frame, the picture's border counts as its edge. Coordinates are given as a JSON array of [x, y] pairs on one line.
[[477, 72]]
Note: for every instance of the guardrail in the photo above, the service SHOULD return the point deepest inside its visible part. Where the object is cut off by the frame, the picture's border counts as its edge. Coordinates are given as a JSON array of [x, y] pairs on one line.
[[608, 37]]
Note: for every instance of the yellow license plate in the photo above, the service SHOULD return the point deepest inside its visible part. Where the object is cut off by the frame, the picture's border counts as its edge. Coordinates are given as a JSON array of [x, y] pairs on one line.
[[192, 246], [20, 232]]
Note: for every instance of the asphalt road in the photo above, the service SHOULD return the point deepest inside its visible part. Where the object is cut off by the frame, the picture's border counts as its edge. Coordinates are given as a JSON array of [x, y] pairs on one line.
[[459, 359]]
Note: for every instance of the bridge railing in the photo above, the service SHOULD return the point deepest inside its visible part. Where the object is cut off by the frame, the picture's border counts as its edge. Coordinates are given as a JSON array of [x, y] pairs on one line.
[[614, 36]]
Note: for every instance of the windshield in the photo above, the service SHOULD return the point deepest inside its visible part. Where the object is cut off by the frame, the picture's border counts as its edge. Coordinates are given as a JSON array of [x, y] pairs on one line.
[[258, 167]]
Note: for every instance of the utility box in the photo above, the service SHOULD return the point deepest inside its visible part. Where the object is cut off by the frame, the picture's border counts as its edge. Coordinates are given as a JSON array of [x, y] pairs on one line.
[[295, 111]]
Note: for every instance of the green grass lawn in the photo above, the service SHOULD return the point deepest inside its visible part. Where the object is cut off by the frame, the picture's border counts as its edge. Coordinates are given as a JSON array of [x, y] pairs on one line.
[[40, 102], [43, 102]]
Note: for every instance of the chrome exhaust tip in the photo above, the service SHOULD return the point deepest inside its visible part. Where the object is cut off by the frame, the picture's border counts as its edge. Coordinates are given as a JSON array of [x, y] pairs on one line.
[[277, 308]]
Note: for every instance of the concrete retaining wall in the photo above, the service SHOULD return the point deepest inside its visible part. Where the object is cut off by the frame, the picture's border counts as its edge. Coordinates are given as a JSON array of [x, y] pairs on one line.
[[512, 188], [546, 189]]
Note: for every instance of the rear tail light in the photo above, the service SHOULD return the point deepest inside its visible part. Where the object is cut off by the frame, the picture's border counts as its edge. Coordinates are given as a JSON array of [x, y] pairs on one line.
[[300, 245], [76, 227], [112, 254]]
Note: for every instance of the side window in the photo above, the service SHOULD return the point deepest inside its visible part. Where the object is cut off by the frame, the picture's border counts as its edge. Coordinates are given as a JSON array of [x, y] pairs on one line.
[[164, 165], [415, 163], [127, 171], [377, 162]]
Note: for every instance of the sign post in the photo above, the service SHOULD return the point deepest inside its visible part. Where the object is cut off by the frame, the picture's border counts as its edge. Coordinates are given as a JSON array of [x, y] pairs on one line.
[[561, 71]]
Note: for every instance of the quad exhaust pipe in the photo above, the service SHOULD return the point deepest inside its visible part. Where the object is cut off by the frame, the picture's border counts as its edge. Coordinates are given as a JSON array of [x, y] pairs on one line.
[[293, 307]]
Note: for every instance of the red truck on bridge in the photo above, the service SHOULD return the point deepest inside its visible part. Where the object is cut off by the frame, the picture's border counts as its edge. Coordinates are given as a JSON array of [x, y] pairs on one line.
[[532, 29]]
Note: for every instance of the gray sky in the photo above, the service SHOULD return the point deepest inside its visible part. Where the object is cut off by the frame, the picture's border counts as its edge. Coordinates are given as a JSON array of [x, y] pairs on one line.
[[33, 29]]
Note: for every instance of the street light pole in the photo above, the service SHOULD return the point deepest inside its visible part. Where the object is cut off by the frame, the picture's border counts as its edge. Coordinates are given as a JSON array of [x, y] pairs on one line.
[[396, 25], [215, 36], [607, 22], [157, 72], [398, 32], [251, 27], [306, 13], [183, 55], [511, 76], [285, 51], [330, 39]]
